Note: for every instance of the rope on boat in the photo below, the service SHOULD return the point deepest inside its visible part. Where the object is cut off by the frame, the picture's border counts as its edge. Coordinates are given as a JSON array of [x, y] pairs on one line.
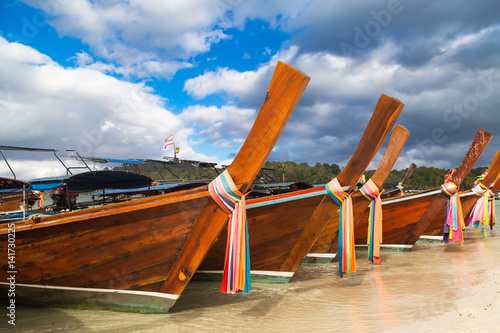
[[346, 255], [372, 193], [236, 276]]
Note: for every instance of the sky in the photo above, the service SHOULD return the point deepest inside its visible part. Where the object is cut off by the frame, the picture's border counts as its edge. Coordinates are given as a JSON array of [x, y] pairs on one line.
[[116, 78]]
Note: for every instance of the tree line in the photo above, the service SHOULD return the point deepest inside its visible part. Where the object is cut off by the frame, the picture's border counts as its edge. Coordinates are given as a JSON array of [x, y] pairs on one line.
[[276, 172], [423, 177]]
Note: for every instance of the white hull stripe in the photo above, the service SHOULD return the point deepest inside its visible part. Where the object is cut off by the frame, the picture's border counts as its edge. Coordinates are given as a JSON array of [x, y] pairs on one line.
[[398, 199], [267, 273], [115, 291], [321, 255], [390, 246], [431, 237]]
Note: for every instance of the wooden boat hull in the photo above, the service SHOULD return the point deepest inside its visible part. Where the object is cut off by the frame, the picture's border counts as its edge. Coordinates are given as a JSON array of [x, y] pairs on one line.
[[144, 247], [129, 247], [283, 228], [397, 225], [435, 229], [405, 218], [274, 225], [326, 246], [467, 198], [13, 203]]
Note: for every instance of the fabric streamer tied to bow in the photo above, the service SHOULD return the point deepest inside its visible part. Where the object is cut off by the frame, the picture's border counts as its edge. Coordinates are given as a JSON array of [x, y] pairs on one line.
[[347, 258], [453, 219], [400, 187], [483, 212], [371, 192], [236, 276]]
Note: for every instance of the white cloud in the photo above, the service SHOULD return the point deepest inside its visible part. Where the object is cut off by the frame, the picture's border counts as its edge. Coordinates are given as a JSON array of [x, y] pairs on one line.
[[146, 38], [223, 127], [47, 102], [429, 64], [45, 105], [225, 80], [234, 83]]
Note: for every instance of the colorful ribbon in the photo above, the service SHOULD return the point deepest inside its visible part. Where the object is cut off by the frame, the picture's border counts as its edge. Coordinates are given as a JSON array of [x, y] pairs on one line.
[[400, 187], [236, 275], [371, 192], [483, 212], [347, 258], [453, 219]]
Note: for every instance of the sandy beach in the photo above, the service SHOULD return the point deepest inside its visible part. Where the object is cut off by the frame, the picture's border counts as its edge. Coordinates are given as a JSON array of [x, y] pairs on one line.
[[479, 311]]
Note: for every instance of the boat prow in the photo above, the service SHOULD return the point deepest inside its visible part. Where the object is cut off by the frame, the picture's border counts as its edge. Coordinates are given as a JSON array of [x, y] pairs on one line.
[[282, 228], [406, 217], [326, 246], [139, 255]]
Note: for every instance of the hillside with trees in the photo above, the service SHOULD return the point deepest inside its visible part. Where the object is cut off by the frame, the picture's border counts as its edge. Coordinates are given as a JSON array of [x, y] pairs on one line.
[[276, 172], [423, 178]]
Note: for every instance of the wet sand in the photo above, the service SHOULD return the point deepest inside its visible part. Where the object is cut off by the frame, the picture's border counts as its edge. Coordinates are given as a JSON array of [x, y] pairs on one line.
[[433, 288]]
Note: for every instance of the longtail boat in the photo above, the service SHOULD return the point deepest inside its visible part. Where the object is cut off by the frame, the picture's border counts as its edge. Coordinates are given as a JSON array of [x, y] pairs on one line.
[[282, 228], [406, 217], [326, 246], [490, 196], [400, 188], [467, 198], [13, 195], [138, 255]]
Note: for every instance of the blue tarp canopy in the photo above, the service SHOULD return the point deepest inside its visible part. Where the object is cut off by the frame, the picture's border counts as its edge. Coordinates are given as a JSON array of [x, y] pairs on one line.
[[92, 181]]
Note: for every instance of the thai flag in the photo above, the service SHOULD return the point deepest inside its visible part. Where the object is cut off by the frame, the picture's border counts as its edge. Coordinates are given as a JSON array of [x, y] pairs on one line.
[[169, 141]]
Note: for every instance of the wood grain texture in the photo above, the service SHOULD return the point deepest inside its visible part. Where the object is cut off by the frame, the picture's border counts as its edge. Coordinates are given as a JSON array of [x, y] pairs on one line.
[[467, 199], [399, 217], [282, 233], [329, 210], [386, 113], [329, 237], [154, 243], [11, 203], [285, 90], [478, 145], [14, 202]]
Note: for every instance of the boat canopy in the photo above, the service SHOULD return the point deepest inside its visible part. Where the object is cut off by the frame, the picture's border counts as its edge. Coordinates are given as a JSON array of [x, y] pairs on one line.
[[10, 186], [92, 181]]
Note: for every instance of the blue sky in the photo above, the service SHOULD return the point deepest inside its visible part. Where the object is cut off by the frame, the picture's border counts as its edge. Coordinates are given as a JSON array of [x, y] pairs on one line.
[[115, 78]]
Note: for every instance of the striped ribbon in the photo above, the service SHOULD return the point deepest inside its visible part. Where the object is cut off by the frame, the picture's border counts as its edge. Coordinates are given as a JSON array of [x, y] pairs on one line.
[[400, 187], [236, 275], [482, 212], [453, 219], [346, 255], [372, 193]]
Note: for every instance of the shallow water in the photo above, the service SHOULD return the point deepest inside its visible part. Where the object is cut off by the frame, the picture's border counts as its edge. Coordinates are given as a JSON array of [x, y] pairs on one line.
[[407, 287]]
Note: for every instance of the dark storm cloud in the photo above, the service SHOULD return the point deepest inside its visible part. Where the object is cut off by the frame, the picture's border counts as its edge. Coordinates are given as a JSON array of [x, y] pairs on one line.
[[353, 28]]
